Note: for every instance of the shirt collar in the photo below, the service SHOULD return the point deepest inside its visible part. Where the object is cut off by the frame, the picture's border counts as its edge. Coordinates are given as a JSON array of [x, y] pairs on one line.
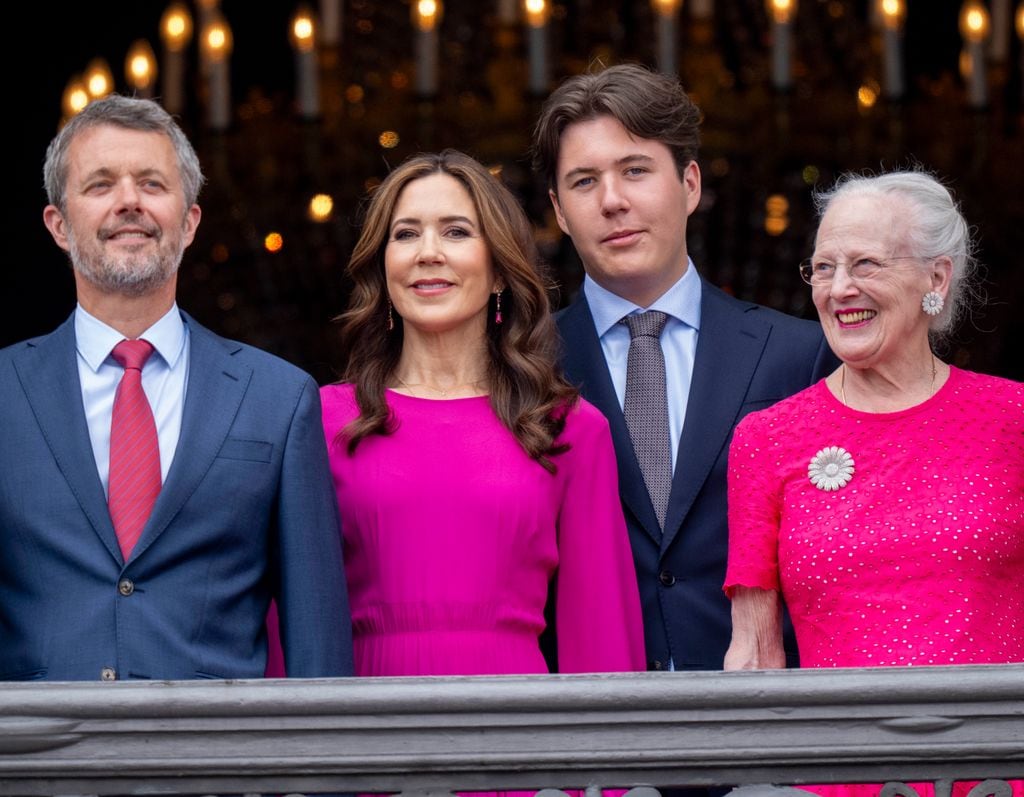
[[681, 302], [96, 340]]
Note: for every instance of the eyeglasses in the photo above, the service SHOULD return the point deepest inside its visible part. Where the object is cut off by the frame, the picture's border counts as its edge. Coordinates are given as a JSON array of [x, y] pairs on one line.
[[822, 272]]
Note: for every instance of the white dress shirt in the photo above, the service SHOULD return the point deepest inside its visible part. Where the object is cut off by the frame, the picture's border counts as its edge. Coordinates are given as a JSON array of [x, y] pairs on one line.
[[164, 378], [681, 303]]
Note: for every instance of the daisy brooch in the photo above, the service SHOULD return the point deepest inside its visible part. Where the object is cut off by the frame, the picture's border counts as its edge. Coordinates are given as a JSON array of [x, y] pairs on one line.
[[831, 468]]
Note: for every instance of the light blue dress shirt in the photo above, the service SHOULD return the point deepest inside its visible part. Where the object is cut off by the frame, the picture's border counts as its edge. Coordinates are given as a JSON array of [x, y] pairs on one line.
[[681, 303], [164, 378]]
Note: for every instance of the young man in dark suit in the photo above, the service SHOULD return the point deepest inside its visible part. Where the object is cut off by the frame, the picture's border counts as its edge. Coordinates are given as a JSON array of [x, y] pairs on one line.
[[672, 361]]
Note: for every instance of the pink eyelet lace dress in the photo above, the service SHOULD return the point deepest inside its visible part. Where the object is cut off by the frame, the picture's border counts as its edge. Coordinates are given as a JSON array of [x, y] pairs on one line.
[[915, 556]]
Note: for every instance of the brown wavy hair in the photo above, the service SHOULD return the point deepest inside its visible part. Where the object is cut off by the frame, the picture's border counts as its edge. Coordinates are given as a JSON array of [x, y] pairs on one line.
[[527, 390]]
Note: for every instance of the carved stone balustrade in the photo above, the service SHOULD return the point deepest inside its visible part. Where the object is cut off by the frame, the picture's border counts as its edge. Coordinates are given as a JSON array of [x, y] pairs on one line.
[[441, 734]]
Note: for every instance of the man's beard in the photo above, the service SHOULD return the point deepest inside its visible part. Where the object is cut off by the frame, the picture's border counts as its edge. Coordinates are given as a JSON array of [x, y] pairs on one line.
[[130, 274]]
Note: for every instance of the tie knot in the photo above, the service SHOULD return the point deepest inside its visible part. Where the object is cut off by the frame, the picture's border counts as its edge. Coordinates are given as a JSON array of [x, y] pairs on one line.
[[647, 324], [132, 353]]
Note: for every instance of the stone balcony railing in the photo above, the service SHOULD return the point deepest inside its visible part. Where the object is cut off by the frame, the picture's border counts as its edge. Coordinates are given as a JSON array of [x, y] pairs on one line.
[[430, 735]]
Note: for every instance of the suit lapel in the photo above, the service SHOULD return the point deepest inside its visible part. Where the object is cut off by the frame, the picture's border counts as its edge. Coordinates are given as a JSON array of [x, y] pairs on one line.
[[729, 347], [584, 363], [48, 371], [217, 382]]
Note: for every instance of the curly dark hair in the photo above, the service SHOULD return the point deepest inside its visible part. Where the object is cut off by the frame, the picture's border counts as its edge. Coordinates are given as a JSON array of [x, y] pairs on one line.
[[527, 390]]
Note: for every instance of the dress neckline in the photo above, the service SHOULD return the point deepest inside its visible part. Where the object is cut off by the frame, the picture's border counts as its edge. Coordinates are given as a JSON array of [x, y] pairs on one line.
[[938, 396], [406, 396]]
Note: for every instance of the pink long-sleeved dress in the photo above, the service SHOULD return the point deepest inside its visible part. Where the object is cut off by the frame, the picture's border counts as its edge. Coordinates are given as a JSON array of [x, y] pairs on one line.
[[452, 535]]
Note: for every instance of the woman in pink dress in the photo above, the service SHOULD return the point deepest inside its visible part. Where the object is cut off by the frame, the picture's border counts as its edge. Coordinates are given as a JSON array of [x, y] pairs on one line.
[[471, 479], [885, 504]]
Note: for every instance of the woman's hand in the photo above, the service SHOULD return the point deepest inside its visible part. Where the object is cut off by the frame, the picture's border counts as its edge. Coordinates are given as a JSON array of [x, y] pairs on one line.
[[756, 631]]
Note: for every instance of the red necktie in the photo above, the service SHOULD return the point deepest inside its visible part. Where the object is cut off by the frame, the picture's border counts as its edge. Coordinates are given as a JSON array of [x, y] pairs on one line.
[[134, 449]]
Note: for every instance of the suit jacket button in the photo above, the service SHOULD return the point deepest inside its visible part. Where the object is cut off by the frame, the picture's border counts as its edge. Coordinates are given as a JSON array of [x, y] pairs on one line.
[[666, 578], [125, 587], [657, 665], [108, 674]]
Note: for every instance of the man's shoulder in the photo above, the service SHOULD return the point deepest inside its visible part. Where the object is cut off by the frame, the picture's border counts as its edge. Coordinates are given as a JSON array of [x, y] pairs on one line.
[[14, 350], [790, 325], [259, 360], [8, 352], [572, 306], [717, 299], [573, 312]]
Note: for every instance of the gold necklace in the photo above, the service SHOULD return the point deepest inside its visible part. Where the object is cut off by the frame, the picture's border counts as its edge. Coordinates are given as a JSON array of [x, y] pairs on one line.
[[842, 382], [442, 391]]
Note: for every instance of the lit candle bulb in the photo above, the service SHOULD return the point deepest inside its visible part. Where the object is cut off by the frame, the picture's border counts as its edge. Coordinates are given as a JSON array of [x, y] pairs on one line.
[[75, 97], [974, 28], [426, 16], [893, 13], [216, 43], [208, 11], [175, 33], [99, 81], [140, 68], [667, 12], [307, 83], [537, 12], [782, 12]]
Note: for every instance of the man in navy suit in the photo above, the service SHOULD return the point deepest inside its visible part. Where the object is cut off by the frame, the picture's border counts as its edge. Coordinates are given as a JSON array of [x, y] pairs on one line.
[[618, 149], [244, 506]]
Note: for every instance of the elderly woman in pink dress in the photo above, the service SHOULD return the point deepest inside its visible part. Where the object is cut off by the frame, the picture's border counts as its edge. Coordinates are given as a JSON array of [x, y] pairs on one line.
[[472, 481], [885, 504]]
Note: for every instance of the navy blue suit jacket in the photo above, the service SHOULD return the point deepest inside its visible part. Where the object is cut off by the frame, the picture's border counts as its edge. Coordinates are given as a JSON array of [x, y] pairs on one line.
[[247, 512], [748, 357]]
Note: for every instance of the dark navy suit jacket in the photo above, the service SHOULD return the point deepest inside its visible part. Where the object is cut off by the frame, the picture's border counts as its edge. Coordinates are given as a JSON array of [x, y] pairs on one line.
[[247, 512], [748, 357]]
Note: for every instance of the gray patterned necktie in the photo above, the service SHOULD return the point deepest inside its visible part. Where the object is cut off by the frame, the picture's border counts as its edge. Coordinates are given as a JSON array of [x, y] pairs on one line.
[[646, 406]]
